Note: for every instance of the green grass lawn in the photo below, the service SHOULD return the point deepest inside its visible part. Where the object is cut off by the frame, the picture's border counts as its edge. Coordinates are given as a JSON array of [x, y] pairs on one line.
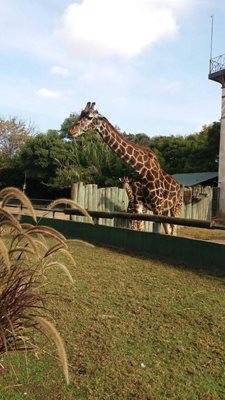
[[133, 328]]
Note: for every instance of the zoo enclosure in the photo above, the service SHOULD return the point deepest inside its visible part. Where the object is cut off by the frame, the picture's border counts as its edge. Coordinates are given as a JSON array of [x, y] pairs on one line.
[[199, 203], [108, 207]]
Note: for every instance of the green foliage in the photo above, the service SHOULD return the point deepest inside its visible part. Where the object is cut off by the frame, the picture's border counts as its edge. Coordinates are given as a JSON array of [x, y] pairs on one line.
[[67, 124], [13, 134], [198, 152], [50, 161]]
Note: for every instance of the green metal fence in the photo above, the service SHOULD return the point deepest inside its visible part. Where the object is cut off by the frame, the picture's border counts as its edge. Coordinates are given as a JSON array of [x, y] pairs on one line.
[[177, 250]]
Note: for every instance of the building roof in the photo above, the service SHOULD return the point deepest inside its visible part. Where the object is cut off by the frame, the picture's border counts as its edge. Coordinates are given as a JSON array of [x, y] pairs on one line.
[[196, 178]]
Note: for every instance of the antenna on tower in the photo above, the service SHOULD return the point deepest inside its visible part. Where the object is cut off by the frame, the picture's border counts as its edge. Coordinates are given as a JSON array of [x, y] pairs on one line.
[[211, 40]]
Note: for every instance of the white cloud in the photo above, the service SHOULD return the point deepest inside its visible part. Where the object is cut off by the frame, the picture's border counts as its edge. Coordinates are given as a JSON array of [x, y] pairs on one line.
[[48, 93], [59, 71], [118, 27]]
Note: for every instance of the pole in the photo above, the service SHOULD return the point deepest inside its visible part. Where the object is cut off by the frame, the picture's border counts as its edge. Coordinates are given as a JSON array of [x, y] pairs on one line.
[[211, 41]]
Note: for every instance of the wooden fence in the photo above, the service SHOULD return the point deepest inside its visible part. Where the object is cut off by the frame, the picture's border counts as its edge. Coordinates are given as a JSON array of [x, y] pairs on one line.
[[197, 203]]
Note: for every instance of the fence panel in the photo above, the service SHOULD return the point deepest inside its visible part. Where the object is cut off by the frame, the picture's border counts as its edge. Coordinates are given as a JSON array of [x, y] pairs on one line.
[[197, 203]]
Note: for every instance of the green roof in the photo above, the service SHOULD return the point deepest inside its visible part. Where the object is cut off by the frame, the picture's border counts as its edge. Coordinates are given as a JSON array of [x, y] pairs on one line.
[[196, 178]]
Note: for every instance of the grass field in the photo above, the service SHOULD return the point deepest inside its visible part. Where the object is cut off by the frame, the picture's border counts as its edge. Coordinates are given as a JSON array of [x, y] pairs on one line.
[[133, 329], [215, 235]]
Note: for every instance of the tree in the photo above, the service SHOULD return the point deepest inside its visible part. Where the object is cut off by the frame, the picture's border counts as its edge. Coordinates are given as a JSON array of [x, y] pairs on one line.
[[13, 134], [197, 152], [67, 124]]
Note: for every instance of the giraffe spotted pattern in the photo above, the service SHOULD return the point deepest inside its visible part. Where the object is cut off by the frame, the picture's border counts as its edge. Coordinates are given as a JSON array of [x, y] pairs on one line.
[[162, 193], [136, 201]]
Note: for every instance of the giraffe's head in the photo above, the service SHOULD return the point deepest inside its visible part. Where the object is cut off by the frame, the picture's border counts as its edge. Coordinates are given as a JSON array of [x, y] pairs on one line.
[[125, 180], [88, 119]]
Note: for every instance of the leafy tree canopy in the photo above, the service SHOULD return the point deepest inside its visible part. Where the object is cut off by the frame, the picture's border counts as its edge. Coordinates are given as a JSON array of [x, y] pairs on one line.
[[49, 160], [13, 134]]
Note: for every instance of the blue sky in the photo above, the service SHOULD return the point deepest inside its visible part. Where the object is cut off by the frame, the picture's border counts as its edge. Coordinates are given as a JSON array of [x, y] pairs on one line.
[[144, 62]]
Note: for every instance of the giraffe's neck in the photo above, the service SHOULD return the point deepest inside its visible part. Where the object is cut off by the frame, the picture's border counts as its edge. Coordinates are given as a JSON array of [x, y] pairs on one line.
[[140, 159], [130, 194]]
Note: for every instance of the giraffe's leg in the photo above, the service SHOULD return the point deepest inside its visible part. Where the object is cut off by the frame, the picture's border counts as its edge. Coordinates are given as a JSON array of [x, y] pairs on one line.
[[134, 226], [167, 227], [138, 209], [175, 212]]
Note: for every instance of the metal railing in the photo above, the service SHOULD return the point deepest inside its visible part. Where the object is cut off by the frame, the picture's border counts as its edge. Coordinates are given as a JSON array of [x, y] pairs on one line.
[[217, 64], [157, 220]]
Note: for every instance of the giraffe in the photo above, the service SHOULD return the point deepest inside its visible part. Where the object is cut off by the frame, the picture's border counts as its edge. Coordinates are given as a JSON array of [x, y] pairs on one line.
[[136, 201], [162, 193]]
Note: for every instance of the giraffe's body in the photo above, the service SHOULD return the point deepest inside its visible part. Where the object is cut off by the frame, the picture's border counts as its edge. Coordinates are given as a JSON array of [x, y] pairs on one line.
[[162, 193], [136, 205]]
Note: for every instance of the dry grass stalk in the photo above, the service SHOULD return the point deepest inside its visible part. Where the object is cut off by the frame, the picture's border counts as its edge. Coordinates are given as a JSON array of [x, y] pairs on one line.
[[11, 192], [4, 255], [63, 268], [41, 245], [49, 327], [53, 249], [19, 302], [78, 241], [68, 255], [25, 256], [20, 250], [71, 203], [21, 237], [6, 216], [46, 231]]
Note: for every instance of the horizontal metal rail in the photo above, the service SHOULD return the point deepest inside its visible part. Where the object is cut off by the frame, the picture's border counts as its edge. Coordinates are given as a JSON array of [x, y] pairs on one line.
[[156, 219], [161, 219]]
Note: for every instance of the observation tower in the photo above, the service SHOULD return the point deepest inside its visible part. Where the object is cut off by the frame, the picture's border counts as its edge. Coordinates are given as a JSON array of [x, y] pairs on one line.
[[217, 74]]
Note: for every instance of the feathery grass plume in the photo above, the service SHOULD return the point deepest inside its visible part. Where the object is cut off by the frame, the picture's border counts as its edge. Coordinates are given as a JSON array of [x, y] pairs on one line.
[[68, 255], [10, 225], [54, 249], [4, 255], [8, 217], [60, 249], [63, 268], [19, 302], [10, 192], [47, 231], [40, 245], [50, 328], [71, 203], [24, 237], [21, 250], [25, 227], [24, 255], [78, 241]]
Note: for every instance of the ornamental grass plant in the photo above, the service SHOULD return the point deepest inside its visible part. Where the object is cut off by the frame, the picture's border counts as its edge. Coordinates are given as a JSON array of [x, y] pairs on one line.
[[27, 253]]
